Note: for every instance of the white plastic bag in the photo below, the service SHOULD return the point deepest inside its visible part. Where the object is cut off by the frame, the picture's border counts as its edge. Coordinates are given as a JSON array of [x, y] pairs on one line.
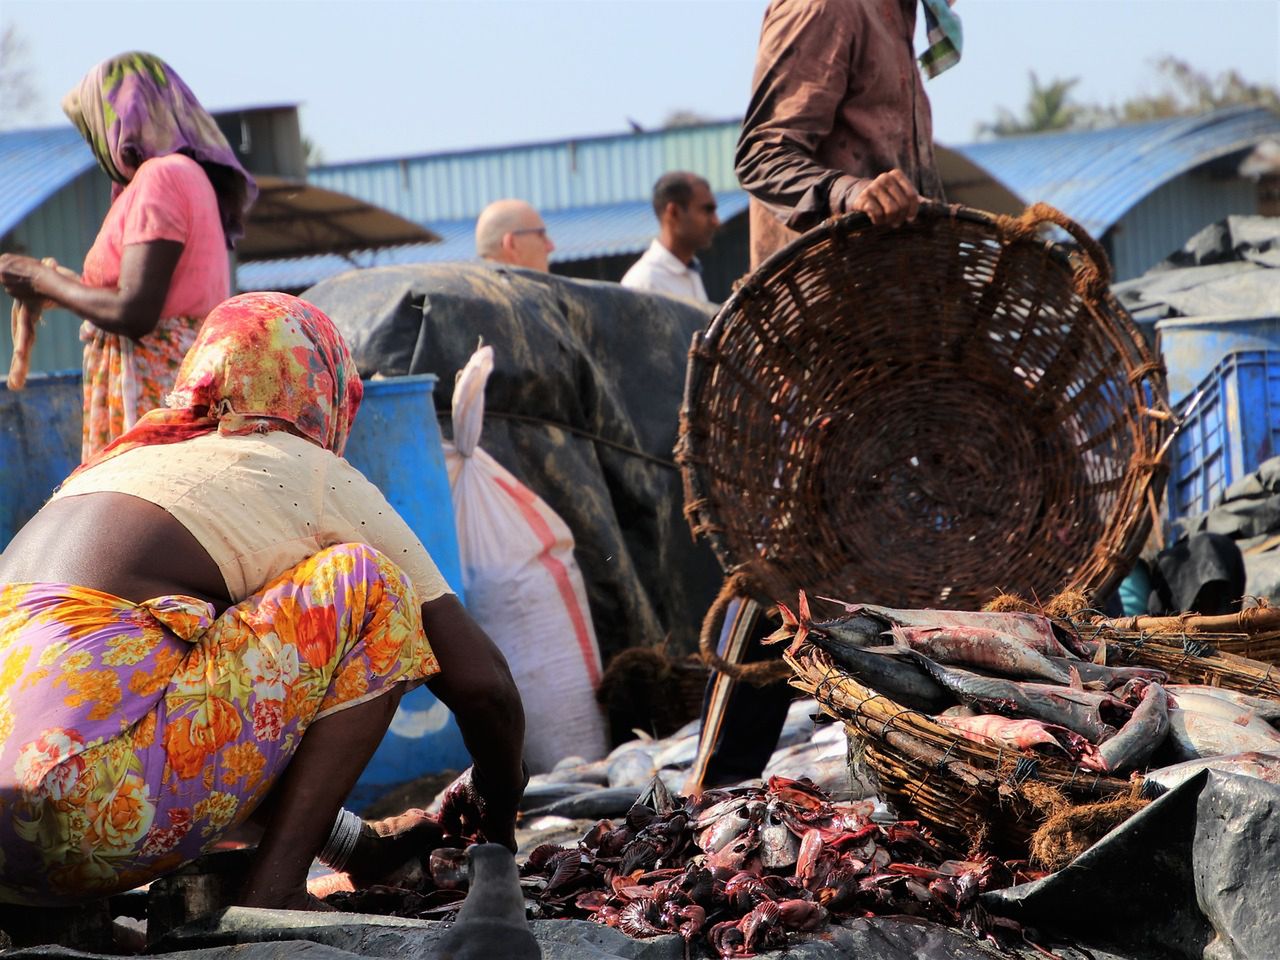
[[523, 586]]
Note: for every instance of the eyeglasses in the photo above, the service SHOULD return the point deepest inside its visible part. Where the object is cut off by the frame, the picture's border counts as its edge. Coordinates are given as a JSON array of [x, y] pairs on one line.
[[540, 231]]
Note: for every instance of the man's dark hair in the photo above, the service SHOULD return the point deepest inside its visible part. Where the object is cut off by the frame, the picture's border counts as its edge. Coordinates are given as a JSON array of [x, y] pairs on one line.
[[674, 187]]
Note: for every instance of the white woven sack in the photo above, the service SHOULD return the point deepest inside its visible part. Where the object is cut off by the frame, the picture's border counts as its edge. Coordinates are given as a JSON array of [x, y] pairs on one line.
[[524, 587]]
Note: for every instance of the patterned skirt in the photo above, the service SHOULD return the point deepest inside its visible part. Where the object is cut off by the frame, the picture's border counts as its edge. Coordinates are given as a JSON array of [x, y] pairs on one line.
[[133, 736], [124, 378]]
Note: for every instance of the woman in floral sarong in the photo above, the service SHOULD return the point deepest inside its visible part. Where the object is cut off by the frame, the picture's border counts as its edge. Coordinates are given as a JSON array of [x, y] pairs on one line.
[[159, 263], [209, 626]]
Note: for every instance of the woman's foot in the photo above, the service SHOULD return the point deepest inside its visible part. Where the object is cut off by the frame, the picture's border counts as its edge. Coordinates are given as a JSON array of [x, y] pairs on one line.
[[391, 851]]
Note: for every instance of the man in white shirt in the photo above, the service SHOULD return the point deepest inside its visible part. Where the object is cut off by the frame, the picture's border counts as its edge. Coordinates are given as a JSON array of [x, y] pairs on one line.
[[686, 211], [512, 232]]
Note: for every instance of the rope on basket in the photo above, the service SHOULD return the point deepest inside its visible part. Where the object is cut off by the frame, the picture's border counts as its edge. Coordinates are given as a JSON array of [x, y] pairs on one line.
[[757, 674]]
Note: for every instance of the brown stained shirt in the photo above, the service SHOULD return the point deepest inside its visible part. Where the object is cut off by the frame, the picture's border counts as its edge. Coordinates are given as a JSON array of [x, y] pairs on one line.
[[837, 99]]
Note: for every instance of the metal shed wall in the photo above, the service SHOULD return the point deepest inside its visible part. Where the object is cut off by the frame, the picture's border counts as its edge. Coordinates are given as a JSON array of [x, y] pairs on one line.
[[63, 227], [551, 176], [1160, 222]]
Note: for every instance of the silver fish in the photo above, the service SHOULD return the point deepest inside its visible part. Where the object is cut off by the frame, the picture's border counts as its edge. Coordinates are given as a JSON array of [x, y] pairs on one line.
[[1077, 710], [1195, 735], [540, 793], [595, 805], [983, 648], [859, 629], [779, 847], [719, 809], [896, 678], [1034, 630], [725, 830], [1145, 730], [633, 767], [597, 771], [1111, 676], [1268, 710], [676, 752]]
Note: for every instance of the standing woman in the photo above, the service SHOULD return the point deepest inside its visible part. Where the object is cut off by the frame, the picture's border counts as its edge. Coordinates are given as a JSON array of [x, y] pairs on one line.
[[159, 263]]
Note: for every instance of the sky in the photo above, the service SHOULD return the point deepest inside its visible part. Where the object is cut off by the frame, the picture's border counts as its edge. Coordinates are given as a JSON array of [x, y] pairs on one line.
[[378, 78]]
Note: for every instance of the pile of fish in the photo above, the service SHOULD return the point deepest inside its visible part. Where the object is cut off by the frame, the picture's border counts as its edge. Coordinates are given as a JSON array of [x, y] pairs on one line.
[[746, 869], [1010, 680], [579, 790]]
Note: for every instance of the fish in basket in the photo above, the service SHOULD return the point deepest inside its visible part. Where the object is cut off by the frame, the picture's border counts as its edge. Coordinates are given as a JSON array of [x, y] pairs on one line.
[[983, 724]]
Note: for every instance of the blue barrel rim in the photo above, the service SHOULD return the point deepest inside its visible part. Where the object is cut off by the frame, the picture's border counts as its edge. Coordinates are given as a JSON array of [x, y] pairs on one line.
[[401, 383]]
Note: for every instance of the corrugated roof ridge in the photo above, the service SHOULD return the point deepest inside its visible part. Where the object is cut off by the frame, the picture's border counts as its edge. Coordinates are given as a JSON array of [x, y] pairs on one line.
[[528, 145]]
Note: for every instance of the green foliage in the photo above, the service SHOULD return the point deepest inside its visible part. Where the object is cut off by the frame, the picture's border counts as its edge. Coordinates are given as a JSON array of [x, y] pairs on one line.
[[17, 91], [1185, 91], [1048, 107]]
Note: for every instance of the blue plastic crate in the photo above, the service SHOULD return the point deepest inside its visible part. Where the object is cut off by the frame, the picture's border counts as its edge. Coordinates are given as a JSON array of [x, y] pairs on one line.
[[1233, 427]]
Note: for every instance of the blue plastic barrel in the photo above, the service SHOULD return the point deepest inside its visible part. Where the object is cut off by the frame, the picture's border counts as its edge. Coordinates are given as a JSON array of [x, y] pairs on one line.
[[39, 444], [396, 443], [1193, 346]]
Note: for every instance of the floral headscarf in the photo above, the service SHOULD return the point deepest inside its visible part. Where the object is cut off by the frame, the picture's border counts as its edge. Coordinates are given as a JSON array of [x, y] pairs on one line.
[[134, 107], [262, 362]]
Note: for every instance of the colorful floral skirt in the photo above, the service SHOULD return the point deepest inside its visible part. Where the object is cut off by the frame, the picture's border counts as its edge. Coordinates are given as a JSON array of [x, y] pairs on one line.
[[133, 736], [124, 378]]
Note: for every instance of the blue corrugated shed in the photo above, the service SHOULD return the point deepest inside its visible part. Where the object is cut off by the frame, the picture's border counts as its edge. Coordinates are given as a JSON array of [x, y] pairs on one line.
[[558, 175], [35, 165], [608, 230], [1096, 176]]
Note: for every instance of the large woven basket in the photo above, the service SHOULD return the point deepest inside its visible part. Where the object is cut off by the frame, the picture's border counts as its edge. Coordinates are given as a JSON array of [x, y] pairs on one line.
[[926, 416], [966, 790]]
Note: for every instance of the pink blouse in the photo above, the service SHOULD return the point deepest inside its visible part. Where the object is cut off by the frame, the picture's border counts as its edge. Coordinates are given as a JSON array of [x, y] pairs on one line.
[[169, 198]]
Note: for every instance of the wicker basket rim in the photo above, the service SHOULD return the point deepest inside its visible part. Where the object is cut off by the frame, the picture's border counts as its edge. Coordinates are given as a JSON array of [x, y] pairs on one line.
[[837, 226]]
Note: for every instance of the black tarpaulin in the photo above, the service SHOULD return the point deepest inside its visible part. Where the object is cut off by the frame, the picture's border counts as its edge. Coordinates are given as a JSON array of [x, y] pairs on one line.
[[582, 406], [1190, 877]]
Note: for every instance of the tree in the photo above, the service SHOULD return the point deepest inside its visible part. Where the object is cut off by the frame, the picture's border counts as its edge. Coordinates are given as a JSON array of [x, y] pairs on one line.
[[17, 91], [312, 153], [1048, 107], [1185, 92], [1188, 91], [684, 118]]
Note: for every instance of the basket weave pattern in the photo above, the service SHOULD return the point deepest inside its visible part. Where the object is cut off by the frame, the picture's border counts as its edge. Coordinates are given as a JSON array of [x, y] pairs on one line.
[[964, 789], [924, 417]]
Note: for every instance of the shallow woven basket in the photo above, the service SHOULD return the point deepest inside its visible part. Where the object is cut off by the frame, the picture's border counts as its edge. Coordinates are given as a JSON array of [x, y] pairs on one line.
[[1252, 633], [967, 790], [926, 416]]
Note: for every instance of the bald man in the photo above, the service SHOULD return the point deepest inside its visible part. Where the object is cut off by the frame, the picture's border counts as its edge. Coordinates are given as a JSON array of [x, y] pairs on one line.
[[512, 232]]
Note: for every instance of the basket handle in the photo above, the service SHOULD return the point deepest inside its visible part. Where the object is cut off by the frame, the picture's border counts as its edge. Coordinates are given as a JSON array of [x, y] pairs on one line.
[[1039, 213]]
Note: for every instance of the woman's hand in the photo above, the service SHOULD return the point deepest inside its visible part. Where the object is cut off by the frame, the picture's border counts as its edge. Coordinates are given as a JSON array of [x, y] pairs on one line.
[[472, 808], [19, 274], [132, 309]]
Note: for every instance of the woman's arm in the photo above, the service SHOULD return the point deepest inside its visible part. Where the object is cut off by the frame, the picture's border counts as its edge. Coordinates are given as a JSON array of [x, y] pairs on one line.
[[475, 683], [132, 308]]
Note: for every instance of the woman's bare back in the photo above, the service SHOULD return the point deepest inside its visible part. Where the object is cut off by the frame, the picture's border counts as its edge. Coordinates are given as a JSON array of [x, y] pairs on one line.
[[115, 543]]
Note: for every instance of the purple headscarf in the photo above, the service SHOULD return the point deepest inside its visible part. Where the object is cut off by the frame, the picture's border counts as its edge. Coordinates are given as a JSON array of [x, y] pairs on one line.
[[134, 107]]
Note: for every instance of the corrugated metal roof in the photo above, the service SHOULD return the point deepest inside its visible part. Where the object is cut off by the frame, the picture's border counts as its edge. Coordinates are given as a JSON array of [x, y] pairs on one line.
[[606, 230], [1096, 176], [559, 175], [37, 164]]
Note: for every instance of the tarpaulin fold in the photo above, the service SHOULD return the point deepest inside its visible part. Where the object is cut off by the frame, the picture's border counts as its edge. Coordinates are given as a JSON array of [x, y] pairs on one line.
[[1190, 877]]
